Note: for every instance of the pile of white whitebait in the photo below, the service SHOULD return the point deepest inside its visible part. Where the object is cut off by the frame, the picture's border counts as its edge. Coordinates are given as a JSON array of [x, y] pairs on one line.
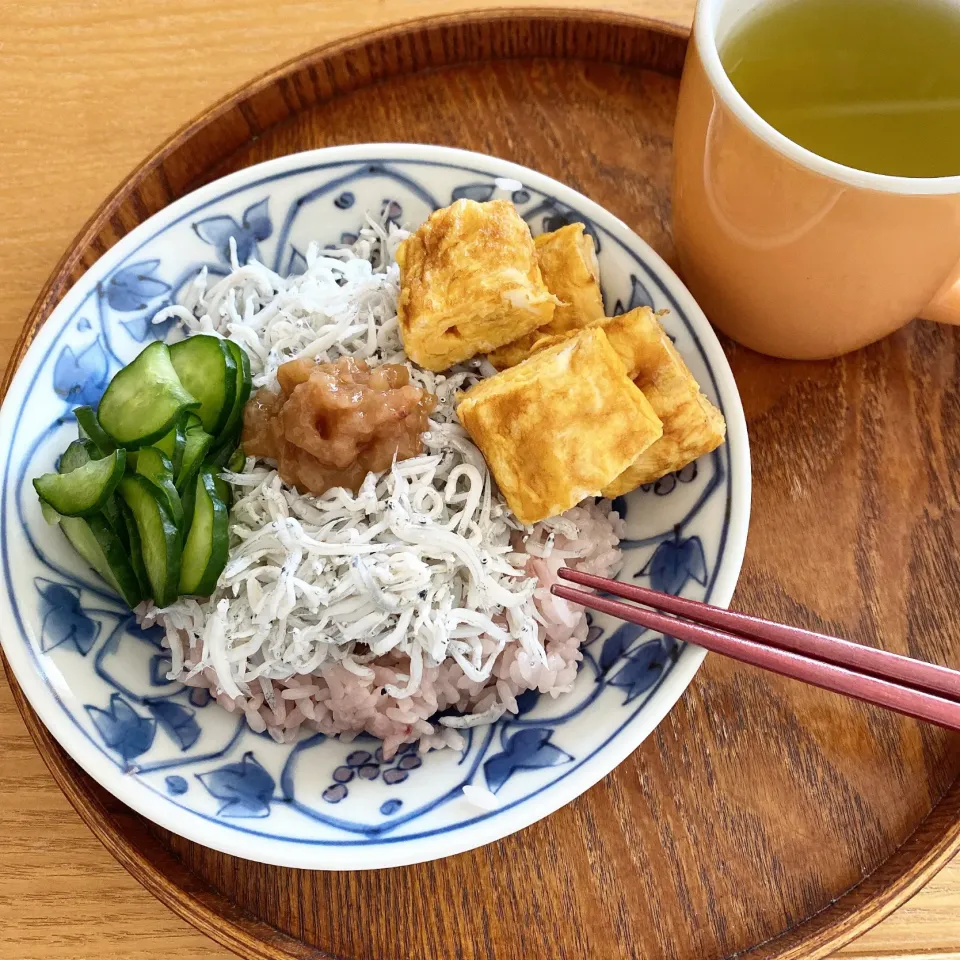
[[372, 612]]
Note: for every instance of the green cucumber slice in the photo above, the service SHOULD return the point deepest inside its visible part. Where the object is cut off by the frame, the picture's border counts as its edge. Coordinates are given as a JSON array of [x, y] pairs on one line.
[[152, 464], [238, 460], [144, 400], [95, 540], [160, 540], [89, 427], [84, 490], [111, 510], [195, 449], [223, 452], [224, 490], [207, 545], [207, 369], [76, 455], [188, 499], [135, 550], [235, 423], [49, 514], [171, 445]]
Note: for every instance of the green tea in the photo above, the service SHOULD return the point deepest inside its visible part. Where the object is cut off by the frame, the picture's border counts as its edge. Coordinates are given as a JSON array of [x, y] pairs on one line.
[[872, 84]]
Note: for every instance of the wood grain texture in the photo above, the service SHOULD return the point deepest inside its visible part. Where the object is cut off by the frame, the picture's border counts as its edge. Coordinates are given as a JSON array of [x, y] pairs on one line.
[[758, 802]]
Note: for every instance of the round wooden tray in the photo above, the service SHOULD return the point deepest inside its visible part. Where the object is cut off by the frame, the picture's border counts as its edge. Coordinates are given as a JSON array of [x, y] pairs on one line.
[[763, 816]]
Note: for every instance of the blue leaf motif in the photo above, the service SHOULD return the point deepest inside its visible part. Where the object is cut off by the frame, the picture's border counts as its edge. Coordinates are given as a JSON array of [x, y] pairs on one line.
[[81, 378], [122, 728], [218, 230], [674, 562], [390, 209], [615, 645], [639, 297], [473, 191], [527, 749], [297, 264], [63, 618], [245, 788], [176, 785], [143, 328], [256, 220], [527, 700], [178, 721], [154, 635], [133, 287], [159, 668], [665, 485], [555, 215], [643, 668], [497, 770]]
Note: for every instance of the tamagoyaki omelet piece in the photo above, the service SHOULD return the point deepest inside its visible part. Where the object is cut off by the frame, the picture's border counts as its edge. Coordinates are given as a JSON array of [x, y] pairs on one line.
[[568, 264], [469, 283], [560, 426], [692, 425]]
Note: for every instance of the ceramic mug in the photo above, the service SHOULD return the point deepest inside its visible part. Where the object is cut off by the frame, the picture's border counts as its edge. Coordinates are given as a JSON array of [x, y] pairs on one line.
[[789, 253]]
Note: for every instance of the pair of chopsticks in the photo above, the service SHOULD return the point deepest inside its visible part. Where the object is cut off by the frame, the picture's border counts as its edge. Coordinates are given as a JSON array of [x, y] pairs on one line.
[[921, 690]]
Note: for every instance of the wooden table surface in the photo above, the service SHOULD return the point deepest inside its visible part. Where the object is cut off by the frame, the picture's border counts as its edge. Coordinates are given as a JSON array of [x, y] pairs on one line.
[[88, 88]]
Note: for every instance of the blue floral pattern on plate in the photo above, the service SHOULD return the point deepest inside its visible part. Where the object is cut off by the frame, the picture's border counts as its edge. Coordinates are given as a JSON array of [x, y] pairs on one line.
[[101, 683]]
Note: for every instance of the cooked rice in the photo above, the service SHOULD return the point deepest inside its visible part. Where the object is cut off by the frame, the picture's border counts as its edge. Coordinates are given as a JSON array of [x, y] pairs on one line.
[[373, 613]]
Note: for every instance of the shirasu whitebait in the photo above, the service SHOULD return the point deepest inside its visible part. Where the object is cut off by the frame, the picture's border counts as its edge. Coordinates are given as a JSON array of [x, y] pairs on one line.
[[419, 562]]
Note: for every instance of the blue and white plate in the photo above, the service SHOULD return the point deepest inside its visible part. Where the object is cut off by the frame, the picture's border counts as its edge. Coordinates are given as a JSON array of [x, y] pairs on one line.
[[98, 681]]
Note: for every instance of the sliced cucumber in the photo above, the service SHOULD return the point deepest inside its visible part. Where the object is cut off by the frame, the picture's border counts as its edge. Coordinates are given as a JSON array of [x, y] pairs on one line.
[[224, 491], [207, 369], [237, 460], [171, 445], [221, 454], [95, 540], [152, 464], [76, 455], [145, 399], [111, 510], [207, 545], [84, 490], [188, 499], [195, 449], [90, 428], [235, 422], [49, 514], [160, 541], [135, 550]]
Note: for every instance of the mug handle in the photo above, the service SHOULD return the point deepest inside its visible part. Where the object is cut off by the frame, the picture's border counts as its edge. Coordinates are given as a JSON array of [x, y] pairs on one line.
[[945, 306]]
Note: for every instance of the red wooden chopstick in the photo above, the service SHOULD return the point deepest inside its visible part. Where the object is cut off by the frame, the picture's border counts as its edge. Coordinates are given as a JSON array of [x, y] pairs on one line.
[[921, 690]]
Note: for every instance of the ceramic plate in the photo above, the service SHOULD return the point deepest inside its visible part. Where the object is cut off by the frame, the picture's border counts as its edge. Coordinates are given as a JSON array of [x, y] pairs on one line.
[[98, 681]]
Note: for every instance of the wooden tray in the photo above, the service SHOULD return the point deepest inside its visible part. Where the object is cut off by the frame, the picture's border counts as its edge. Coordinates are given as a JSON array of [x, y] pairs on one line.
[[763, 816]]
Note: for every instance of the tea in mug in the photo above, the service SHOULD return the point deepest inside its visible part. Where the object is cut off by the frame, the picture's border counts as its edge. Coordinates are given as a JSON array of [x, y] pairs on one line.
[[872, 84]]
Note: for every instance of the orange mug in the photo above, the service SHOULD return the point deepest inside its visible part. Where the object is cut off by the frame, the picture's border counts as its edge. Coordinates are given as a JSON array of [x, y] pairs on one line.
[[789, 253]]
